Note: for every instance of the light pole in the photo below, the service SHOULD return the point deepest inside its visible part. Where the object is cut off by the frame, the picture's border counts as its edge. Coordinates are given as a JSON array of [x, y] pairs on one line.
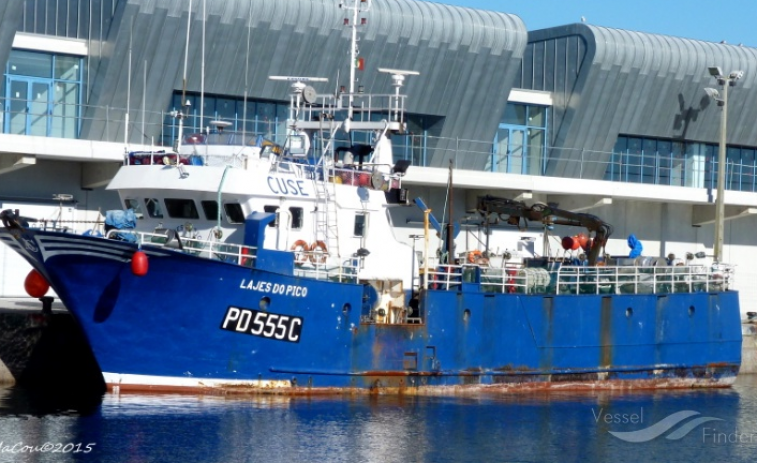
[[724, 81]]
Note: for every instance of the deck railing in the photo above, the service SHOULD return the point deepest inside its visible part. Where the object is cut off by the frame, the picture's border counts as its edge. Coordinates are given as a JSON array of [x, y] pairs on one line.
[[311, 264]]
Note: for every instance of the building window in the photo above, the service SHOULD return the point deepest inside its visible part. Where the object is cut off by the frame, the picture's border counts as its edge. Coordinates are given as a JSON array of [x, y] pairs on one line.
[[258, 119], [42, 94], [520, 143], [690, 164], [267, 119]]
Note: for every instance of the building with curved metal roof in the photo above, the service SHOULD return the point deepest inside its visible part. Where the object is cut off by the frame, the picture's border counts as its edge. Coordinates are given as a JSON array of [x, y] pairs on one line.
[[607, 82]]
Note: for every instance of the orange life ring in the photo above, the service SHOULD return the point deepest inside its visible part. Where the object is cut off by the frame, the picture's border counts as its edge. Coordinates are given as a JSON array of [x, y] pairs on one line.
[[318, 252], [300, 249]]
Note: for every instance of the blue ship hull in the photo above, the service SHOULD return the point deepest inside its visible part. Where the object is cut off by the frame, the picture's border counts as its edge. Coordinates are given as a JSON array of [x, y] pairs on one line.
[[194, 323]]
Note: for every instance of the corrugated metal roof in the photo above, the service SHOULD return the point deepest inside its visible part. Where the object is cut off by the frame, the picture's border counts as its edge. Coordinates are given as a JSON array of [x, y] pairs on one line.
[[467, 58], [648, 85], [10, 17]]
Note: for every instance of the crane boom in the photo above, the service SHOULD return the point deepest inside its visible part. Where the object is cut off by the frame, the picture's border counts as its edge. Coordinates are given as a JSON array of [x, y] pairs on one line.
[[517, 211]]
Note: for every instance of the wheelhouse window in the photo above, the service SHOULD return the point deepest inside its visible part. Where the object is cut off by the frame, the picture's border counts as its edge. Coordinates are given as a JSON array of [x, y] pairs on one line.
[[272, 209], [210, 209], [234, 212], [181, 208], [361, 220], [153, 208], [131, 203], [297, 217]]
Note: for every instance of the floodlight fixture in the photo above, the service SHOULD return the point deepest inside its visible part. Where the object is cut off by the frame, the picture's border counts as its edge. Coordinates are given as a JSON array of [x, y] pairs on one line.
[[715, 71], [712, 93]]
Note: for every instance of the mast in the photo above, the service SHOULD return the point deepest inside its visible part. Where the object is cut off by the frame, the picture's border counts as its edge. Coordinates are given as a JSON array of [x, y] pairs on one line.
[[128, 91], [450, 223], [246, 77], [184, 105], [202, 74], [354, 7]]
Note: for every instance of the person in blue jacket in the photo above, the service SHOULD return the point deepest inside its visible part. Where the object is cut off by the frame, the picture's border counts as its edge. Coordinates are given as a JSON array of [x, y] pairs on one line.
[[635, 246]]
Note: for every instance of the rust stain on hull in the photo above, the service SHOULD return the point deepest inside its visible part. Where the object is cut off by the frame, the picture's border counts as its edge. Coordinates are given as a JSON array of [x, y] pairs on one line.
[[513, 385]]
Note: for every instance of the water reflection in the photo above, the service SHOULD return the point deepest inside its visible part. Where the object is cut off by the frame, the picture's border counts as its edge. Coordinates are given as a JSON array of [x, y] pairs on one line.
[[42, 401], [523, 427]]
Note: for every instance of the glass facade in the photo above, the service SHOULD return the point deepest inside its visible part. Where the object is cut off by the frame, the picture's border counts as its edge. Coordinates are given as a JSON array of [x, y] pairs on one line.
[[268, 119], [413, 145], [521, 141], [42, 94], [264, 118], [677, 163]]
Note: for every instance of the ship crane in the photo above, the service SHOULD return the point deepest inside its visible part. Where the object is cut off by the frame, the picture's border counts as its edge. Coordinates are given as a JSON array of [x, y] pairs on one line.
[[516, 211]]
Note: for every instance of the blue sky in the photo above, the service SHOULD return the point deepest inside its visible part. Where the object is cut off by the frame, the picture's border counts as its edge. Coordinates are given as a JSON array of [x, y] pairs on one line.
[[734, 21]]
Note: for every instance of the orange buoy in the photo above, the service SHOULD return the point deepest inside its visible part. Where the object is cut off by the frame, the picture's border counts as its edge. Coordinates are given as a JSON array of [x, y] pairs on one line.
[[567, 242], [35, 284], [139, 264], [587, 245], [582, 239]]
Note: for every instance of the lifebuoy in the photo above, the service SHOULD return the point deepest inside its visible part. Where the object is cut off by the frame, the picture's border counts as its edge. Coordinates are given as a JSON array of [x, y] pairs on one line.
[[318, 252], [300, 249]]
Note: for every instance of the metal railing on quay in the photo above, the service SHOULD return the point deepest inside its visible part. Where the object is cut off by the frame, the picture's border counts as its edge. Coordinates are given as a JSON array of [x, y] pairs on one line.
[[696, 169], [161, 129], [672, 169]]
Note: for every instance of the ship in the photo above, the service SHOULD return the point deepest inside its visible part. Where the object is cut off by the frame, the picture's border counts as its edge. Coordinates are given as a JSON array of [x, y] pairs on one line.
[[277, 270]]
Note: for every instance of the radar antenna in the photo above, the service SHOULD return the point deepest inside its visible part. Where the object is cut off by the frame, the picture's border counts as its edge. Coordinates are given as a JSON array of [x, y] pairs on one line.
[[398, 80]]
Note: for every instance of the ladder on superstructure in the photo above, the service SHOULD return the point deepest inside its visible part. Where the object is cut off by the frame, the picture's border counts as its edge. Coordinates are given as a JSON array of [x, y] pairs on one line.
[[326, 216]]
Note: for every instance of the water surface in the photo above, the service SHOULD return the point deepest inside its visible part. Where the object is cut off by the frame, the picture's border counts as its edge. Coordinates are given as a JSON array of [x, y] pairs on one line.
[[528, 427]]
